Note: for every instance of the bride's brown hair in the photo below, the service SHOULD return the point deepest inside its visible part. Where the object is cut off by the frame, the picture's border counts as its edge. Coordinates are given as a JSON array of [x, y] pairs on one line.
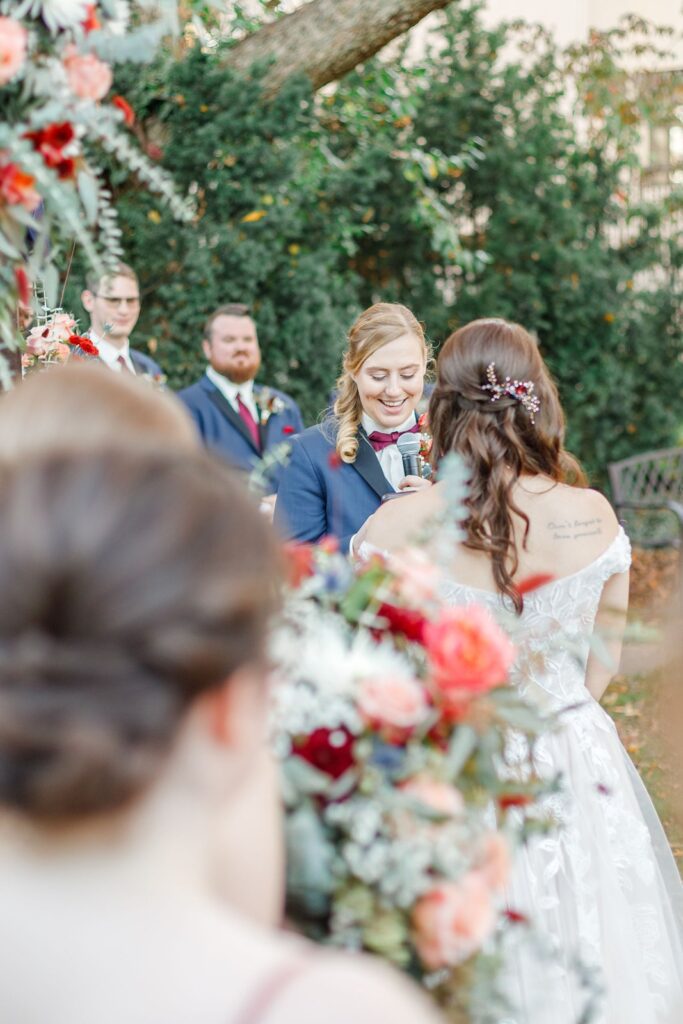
[[498, 440]]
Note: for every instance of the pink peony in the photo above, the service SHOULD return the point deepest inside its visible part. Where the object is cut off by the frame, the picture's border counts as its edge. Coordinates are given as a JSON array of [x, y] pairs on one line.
[[437, 796], [495, 862], [453, 920], [394, 704], [468, 653], [88, 77], [13, 46], [417, 578]]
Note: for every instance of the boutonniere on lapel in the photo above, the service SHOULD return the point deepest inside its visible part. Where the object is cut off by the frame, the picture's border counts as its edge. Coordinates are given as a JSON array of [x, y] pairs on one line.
[[268, 404], [157, 380]]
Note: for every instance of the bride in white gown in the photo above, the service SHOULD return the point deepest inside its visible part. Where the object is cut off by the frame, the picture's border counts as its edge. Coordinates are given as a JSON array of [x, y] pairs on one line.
[[604, 886]]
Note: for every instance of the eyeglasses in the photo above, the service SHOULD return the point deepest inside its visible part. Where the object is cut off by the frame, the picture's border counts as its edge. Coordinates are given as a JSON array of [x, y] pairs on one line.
[[111, 300]]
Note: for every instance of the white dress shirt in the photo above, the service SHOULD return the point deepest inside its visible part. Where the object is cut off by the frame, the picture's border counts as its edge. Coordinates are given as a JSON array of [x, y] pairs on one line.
[[390, 458], [231, 391], [110, 354]]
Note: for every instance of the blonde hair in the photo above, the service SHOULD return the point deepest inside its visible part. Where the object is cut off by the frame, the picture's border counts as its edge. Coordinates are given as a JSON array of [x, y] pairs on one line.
[[84, 407], [375, 327]]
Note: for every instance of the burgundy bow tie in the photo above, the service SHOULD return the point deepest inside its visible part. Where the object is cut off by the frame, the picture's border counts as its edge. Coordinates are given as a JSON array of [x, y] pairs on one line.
[[380, 441]]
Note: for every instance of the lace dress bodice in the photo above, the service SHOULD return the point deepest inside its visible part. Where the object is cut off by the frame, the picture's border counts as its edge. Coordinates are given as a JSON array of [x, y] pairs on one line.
[[554, 632], [553, 635]]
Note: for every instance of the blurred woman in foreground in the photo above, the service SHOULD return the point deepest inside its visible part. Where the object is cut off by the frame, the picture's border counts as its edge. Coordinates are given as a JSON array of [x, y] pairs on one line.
[[140, 845]]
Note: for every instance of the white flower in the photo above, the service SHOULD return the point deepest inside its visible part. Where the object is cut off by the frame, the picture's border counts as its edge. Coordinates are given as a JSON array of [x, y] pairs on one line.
[[62, 13], [118, 12]]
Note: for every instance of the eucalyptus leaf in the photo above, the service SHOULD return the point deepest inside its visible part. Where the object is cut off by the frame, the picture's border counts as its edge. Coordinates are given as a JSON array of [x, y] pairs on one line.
[[87, 189], [51, 284], [461, 747]]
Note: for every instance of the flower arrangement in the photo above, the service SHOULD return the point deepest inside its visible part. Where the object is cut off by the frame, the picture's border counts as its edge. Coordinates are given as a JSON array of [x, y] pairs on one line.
[[55, 79], [405, 797], [54, 340]]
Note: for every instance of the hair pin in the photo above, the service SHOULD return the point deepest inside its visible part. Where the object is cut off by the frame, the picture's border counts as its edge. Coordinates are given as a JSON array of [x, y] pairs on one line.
[[521, 390]]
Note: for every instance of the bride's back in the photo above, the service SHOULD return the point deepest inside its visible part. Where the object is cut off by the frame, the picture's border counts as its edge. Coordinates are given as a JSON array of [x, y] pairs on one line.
[[568, 528]]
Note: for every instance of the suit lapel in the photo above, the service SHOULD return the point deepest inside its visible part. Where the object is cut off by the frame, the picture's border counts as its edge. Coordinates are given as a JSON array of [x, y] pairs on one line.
[[262, 427], [224, 407], [367, 464]]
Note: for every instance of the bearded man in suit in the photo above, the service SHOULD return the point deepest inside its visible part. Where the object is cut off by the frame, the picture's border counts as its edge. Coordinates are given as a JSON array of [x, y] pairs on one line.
[[113, 304], [239, 420]]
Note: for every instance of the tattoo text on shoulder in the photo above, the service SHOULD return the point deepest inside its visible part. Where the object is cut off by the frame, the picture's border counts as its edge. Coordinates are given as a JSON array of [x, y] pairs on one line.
[[575, 529]]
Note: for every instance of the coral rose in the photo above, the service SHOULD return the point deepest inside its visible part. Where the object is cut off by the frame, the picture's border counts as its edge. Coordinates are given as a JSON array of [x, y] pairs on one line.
[[88, 77], [495, 862], [452, 921], [436, 795], [13, 46], [16, 187], [468, 653], [394, 704]]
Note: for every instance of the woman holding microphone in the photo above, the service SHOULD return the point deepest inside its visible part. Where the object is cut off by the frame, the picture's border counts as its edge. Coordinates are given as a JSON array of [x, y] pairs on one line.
[[340, 469]]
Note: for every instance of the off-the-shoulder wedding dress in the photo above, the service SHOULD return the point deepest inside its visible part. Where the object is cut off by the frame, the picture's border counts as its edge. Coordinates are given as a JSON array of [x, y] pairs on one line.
[[605, 885]]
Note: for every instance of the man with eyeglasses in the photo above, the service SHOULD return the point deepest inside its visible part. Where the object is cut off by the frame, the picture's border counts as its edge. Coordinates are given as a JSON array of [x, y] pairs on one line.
[[113, 303]]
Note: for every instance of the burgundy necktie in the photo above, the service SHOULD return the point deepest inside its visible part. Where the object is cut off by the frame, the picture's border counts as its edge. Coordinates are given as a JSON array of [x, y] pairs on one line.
[[125, 368], [249, 422], [380, 441]]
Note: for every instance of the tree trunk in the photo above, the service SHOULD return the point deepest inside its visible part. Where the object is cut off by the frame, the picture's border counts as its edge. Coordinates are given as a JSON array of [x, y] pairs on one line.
[[325, 39]]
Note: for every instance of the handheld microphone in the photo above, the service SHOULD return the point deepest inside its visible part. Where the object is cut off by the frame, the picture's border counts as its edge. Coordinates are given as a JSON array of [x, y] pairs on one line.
[[107, 327], [409, 447]]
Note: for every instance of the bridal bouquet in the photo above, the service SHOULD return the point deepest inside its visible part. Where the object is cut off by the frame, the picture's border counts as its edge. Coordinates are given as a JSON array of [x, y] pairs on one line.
[[408, 771]]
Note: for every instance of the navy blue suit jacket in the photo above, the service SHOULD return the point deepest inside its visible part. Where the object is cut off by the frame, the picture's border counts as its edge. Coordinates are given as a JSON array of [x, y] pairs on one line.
[[321, 496], [144, 364], [223, 430]]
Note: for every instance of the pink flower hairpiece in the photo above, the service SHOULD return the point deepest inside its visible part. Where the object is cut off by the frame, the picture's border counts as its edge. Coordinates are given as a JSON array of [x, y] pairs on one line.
[[521, 390]]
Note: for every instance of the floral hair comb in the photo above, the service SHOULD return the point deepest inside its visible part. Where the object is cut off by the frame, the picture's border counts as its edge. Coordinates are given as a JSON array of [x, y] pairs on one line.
[[521, 390]]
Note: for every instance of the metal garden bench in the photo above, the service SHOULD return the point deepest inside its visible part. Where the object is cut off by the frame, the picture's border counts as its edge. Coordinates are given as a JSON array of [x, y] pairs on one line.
[[647, 493]]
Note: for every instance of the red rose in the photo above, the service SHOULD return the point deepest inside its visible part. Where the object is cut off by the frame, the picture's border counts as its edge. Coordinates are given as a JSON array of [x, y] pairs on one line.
[[404, 620], [23, 285], [328, 750], [287, 429], [58, 135], [84, 344], [125, 108], [154, 152], [506, 800], [334, 460], [66, 168]]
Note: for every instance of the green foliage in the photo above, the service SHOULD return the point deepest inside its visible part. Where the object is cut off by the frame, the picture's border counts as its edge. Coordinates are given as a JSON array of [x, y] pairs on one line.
[[471, 184]]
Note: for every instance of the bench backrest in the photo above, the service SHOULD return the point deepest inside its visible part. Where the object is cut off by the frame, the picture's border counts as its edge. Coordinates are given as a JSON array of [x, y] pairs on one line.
[[653, 479]]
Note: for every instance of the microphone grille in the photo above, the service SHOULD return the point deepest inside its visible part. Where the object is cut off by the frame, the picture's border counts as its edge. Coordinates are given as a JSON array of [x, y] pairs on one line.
[[409, 444]]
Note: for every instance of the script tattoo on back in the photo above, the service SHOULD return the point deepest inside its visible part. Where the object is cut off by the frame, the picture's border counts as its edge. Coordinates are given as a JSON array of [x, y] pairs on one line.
[[575, 529]]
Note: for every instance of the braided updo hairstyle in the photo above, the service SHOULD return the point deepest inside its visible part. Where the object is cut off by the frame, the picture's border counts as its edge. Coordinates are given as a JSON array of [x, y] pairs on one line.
[[498, 440], [131, 585], [375, 327]]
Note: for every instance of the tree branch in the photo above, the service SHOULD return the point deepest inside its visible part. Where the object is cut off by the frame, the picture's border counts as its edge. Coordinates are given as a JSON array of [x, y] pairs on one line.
[[325, 39]]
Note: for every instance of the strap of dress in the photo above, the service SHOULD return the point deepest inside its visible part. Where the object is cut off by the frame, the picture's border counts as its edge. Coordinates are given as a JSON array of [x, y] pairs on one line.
[[268, 992]]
